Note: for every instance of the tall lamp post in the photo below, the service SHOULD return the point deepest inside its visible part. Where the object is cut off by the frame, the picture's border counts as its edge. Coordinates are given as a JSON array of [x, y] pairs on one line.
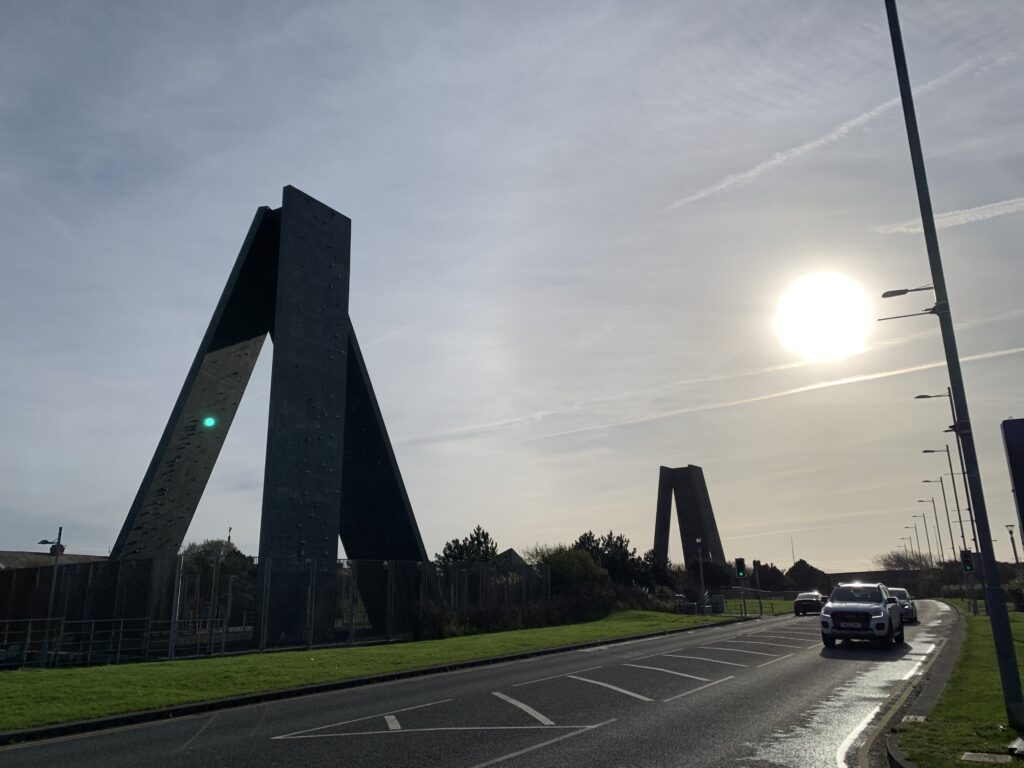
[[917, 535], [927, 538], [995, 597], [938, 532], [905, 539], [56, 548], [956, 498], [942, 485], [960, 454], [1013, 543]]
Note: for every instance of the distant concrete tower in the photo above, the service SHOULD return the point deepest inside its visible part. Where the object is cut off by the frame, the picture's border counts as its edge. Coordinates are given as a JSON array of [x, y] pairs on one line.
[[693, 509]]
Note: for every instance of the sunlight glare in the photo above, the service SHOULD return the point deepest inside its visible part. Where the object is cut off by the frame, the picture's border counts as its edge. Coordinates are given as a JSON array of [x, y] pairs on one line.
[[823, 317]]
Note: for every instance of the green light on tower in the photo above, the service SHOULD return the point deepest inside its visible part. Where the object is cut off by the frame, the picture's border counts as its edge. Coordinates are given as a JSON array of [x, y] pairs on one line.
[[209, 422]]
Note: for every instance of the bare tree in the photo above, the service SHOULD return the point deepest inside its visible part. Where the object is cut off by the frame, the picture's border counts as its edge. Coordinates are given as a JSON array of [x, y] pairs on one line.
[[898, 560]]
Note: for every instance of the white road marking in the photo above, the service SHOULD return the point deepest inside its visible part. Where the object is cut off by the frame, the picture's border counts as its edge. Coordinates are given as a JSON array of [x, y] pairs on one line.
[[393, 724], [737, 650], [757, 642], [198, 733], [610, 687], [524, 707], [510, 755], [701, 688], [848, 741], [360, 719], [702, 658], [913, 671], [439, 729], [669, 671], [781, 637], [774, 660], [555, 677]]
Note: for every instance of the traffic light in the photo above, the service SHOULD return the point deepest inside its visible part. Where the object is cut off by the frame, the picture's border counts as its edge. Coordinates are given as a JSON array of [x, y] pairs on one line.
[[209, 422], [741, 568], [967, 560]]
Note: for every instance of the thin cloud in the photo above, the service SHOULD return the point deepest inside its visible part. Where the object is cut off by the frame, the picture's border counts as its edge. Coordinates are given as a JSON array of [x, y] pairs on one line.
[[776, 395], [836, 134], [956, 218]]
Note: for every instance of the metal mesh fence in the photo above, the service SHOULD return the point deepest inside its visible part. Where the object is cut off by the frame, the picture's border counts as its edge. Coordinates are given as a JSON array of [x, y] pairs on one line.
[[131, 610]]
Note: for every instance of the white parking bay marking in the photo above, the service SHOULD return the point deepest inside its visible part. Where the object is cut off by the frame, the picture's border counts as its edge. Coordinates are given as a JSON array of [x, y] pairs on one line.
[[669, 672], [791, 638], [610, 687], [295, 734], [772, 661], [703, 658], [393, 724], [737, 650], [701, 688], [555, 677], [524, 707], [758, 642], [510, 755]]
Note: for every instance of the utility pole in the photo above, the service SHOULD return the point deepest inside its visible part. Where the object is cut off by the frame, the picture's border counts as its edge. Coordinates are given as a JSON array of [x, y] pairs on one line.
[[995, 597], [1013, 543]]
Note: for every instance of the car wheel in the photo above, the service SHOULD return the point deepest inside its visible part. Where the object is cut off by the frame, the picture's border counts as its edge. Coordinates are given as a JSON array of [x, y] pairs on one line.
[[796, 613], [899, 637], [829, 642]]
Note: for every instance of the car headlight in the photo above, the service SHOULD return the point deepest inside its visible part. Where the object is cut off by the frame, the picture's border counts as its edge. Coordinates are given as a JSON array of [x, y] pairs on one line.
[[826, 611], [877, 613]]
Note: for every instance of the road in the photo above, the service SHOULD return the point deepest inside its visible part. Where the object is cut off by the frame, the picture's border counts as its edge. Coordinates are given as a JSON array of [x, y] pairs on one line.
[[763, 693]]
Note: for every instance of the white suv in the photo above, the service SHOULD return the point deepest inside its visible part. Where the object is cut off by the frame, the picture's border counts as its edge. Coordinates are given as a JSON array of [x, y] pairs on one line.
[[862, 612]]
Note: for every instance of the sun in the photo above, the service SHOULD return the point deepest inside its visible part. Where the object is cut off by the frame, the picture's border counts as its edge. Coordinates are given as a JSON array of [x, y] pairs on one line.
[[823, 317]]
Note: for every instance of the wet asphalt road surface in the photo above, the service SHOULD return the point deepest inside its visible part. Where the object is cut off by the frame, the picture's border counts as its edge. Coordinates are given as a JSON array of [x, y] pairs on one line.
[[763, 693]]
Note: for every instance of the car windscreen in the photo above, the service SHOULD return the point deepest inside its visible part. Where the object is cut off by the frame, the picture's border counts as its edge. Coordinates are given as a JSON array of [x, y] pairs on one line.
[[857, 594], [900, 593]]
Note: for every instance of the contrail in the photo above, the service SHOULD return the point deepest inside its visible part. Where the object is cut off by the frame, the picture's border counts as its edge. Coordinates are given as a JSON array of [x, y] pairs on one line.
[[775, 395], [956, 218], [836, 134]]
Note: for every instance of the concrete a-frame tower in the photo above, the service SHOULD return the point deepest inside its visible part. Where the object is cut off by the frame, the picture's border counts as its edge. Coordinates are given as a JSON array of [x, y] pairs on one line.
[[693, 510], [330, 468]]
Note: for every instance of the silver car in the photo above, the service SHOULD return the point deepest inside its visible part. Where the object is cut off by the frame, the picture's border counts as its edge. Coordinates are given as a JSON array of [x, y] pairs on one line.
[[907, 605], [860, 611]]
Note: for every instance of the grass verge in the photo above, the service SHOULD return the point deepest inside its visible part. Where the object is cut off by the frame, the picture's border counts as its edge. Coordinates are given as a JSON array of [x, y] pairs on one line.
[[970, 711], [34, 697]]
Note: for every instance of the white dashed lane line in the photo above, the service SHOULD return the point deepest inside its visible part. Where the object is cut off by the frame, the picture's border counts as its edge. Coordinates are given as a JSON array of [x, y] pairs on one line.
[[694, 690], [298, 734], [758, 642], [555, 677], [393, 724]]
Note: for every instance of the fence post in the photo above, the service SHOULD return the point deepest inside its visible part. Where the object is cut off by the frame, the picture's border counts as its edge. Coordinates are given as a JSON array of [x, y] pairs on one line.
[[28, 639], [92, 631], [352, 603], [120, 637], [227, 618], [172, 637], [310, 601], [264, 604]]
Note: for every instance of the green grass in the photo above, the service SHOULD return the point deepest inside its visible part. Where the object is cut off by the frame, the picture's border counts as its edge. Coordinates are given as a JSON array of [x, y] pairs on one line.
[[968, 716], [33, 697]]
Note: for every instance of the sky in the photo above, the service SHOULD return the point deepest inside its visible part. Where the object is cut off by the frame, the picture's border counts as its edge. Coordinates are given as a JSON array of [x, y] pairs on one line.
[[571, 223]]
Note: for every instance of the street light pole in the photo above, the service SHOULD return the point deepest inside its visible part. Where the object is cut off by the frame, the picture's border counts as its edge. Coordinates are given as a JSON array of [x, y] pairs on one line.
[[956, 497], [927, 538], [938, 532], [1013, 543], [995, 597], [942, 485], [55, 549], [918, 554]]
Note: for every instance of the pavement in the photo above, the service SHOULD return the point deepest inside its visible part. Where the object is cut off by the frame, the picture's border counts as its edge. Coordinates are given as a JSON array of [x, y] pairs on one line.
[[763, 693]]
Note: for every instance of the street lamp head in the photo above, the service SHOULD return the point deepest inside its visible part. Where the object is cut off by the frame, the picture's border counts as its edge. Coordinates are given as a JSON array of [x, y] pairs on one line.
[[932, 450], [929, 397], [44, 541], [1009, 527], [904, 291]]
